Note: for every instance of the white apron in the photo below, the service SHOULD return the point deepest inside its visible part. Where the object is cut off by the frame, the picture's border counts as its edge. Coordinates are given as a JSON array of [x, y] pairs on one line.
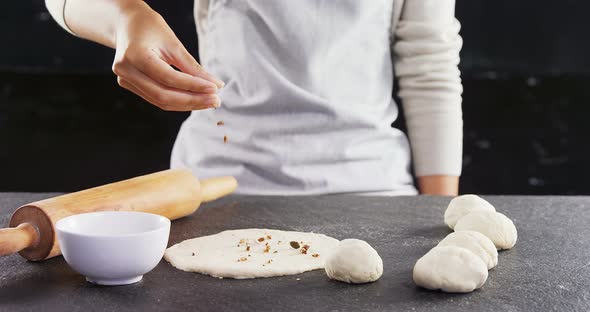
[[307, 107]]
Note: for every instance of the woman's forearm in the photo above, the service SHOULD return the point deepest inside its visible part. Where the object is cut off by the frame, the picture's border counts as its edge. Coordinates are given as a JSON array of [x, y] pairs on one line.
[[149, 59], [439, 185], [93, 20]]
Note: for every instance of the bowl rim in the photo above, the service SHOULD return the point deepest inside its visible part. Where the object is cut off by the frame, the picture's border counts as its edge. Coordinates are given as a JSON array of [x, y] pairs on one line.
[[59, 224]]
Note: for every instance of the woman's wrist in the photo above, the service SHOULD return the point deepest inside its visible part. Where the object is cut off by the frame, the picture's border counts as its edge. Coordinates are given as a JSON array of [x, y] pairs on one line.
[[127, 10], [439, 185]]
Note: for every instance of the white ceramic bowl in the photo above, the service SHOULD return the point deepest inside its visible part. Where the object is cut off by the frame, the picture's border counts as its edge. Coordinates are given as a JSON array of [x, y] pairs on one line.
[[113, 247]]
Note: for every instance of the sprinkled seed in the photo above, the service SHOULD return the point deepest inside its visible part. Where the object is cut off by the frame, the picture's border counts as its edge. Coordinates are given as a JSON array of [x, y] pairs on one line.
[[294, 244], [261, 239], [304, 249]]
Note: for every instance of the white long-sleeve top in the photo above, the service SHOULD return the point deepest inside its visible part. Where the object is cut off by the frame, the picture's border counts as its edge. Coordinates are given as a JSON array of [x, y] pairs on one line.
[[426, 56], [357, 151], [426, 45]]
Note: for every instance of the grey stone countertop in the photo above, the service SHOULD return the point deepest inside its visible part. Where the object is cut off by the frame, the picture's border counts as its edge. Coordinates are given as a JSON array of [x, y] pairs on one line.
[[547, 270]]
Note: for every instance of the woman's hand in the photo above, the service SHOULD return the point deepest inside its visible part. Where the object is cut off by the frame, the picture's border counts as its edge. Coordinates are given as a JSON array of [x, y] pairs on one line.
[[439, 185], [146, 48]]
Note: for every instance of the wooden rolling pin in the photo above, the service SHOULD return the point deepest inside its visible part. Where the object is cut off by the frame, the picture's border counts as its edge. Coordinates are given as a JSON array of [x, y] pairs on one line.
[[171, 193]]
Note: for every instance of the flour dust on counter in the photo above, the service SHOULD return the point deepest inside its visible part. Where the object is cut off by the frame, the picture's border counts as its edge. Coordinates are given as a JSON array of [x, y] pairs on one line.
[[252, 253]]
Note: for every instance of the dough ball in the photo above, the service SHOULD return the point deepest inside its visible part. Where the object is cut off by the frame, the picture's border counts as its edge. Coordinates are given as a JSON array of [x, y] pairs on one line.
[[475, 242], [496, 226], [462, 205], [354, 261], [450, 269]]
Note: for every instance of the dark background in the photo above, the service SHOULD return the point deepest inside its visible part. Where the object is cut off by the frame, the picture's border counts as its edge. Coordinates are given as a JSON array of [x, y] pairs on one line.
[[66, 125]]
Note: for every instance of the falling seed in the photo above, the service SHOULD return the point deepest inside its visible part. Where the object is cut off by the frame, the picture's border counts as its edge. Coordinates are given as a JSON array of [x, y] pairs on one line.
[[220, 123], [225, 139]]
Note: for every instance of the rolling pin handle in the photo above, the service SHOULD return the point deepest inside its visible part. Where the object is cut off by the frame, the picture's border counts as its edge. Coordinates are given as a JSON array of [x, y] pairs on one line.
[[214, 188], [16, 239]]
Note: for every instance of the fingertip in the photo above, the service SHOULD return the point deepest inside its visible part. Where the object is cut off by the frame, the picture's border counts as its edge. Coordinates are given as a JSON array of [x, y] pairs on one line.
[[218, 82], [212, 89], [214, 101]]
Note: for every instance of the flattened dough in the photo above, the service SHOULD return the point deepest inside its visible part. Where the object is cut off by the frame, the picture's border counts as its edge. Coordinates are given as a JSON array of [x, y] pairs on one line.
[[245, 254]]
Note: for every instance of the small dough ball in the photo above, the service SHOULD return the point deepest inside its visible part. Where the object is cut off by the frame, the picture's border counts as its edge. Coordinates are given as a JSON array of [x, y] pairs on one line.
[[496, 226], [462, 205], [450, 269], [475, 242], [354, 261]]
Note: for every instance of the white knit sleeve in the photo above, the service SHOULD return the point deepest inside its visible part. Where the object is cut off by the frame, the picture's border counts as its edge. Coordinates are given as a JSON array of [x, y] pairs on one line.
[[426, 55], [57, 10]]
